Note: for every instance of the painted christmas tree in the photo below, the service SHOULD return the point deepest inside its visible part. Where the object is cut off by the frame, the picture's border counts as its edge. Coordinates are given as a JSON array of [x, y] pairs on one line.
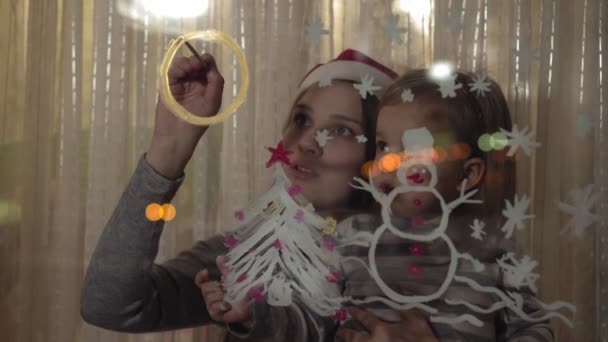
[[282, 250]]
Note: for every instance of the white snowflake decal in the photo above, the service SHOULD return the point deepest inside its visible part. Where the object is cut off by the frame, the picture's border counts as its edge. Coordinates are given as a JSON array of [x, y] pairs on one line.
[[366, 86], [583, 125], [407, 96], [480, 85], [520, 139], [478, 227], [516, 214], [314, 30], [448, 86], [518, 273], [322, 137], [392, 28], [361, 139], [325, 80], [584, 200]]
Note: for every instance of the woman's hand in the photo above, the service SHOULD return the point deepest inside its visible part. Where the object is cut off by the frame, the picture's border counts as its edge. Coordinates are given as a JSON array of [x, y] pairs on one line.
[[412, 328], [213, 293], [198, 87]]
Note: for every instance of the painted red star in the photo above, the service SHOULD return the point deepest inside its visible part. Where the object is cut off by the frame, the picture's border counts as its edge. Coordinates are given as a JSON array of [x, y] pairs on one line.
[[279, 154]]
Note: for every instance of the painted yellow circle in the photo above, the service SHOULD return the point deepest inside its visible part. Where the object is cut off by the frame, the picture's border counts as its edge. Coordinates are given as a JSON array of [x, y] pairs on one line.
[[165, 91], [169, 212], [154, 212]]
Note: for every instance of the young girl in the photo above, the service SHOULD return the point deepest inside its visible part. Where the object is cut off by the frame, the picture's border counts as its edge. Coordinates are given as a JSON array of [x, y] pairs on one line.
[[435, 184], [126, 290]]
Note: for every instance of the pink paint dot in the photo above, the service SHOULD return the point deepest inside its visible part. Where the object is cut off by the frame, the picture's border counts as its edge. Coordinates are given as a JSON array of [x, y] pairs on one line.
[[414, 270], [299, 217], [256, 294], [230, 241], [340, 315], [239, 215], [417, 202], [294, 190], [416, 249], [329, 244], [277, 244], [333, 277], [417, 220], [241, 278]]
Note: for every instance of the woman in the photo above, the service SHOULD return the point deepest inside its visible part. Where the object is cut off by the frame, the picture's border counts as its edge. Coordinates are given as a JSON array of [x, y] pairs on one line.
[[125, 290]]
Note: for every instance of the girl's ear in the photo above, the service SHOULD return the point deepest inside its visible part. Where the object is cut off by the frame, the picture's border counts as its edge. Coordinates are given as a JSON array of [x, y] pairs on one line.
[[474, 170]]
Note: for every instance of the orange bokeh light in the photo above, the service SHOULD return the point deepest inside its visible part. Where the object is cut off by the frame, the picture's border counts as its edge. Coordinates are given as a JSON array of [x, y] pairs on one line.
[[366, 169], [459, 151], [390, 162], [154, 212], [439, 155], [168, 212]]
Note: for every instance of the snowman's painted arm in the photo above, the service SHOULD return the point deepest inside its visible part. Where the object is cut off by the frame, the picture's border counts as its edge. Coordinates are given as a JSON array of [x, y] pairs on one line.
[[464, 198], [363, 185]]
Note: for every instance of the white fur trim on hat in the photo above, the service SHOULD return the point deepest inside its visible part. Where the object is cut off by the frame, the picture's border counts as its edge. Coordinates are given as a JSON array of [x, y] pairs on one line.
[[350, 71]]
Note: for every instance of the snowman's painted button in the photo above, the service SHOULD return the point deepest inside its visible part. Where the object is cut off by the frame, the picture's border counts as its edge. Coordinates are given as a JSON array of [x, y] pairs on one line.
[[414, 270], [416, 249]]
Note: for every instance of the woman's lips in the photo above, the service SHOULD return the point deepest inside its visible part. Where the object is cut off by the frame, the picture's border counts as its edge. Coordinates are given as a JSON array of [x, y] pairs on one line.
[[301, 173]]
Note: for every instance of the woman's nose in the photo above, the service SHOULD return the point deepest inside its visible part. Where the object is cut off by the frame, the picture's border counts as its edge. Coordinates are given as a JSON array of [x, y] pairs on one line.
[[308, 144]]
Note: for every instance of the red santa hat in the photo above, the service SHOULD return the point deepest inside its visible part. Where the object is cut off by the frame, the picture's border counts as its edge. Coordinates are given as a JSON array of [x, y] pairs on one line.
[[351, 65]]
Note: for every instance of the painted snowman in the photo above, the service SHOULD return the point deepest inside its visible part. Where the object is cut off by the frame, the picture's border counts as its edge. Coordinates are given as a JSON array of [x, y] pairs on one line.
[[416, 173]]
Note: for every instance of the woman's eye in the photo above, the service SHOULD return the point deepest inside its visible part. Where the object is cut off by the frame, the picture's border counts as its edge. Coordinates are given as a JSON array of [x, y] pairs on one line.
[[341, 131], [382, 146], [301, 120]]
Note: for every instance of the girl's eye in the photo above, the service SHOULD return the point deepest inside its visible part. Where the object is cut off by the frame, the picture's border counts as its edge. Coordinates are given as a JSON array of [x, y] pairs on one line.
[[381, 146], [341, 131]]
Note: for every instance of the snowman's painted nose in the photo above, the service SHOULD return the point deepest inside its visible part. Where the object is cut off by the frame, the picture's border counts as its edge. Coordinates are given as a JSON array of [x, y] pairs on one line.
[[417, 178]]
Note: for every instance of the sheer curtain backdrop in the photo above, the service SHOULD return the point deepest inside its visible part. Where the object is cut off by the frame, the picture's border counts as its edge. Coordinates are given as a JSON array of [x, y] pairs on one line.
[[78, 86]]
